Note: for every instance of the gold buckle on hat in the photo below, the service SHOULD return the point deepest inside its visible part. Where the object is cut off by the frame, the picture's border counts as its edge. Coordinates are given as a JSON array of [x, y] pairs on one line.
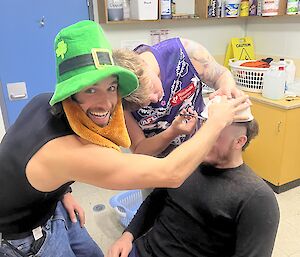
[[102, 57]]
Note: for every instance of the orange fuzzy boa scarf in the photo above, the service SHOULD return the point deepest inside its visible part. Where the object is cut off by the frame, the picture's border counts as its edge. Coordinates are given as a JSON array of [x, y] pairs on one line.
[[112, 136]]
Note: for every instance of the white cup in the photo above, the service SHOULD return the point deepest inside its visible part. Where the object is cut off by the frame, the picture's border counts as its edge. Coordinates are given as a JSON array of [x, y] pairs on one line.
[[232, 8], [217, 99]]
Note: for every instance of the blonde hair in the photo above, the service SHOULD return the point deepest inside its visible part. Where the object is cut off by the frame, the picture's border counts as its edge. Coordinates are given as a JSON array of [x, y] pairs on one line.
[[133, 62]]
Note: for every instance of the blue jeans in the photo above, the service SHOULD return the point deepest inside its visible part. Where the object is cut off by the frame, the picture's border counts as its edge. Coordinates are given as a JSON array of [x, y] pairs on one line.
[[133, 253], [62, 239]]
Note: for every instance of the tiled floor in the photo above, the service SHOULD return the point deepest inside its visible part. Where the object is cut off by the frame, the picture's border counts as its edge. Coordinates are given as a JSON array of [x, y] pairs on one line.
[[104, 227], [287, 243]]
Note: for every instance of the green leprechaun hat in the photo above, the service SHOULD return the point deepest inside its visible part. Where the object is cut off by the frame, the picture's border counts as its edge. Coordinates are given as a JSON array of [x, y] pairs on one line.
[[84, 57]]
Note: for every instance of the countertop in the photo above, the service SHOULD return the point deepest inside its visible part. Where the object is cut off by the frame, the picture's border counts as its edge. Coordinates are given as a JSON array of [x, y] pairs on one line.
[[285, 103]]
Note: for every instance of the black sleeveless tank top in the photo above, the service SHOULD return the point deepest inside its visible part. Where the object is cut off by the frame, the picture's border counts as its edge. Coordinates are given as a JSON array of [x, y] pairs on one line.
[[22, 207]]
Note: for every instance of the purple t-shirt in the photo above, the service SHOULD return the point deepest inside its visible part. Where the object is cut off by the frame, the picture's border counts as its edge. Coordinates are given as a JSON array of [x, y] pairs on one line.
[[182, 89]]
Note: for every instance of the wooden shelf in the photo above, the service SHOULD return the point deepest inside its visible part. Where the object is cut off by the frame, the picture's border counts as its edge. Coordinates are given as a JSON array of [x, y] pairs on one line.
[[149, 21], [198, 18], [255, 17], [202, 10], [201, 13]]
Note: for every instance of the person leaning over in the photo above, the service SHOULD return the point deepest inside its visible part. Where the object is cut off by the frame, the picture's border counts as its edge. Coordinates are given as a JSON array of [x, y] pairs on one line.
[[172, 74]]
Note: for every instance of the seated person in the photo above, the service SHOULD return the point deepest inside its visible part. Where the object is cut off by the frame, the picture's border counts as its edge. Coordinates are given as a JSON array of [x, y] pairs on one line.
[[223, 209]]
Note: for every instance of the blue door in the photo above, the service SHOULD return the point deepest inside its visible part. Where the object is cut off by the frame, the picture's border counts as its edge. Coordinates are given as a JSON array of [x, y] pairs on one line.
[[27, 60]]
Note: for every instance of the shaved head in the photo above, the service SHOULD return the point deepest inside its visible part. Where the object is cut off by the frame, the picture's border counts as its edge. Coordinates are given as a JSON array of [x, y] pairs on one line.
[[250, 129], [227, 151]]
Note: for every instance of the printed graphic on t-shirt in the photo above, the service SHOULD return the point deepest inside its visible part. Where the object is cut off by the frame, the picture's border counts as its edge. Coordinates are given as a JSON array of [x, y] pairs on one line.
[[183, 95]]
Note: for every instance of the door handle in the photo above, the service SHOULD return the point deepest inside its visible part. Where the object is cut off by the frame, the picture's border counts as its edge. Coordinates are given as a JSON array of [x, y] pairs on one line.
[[42, 21], [279, 126], [15, 97]]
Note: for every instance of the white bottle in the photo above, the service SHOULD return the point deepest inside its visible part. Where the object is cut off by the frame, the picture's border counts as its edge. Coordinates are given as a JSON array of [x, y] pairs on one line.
[[223, 8], [292, 7], [115, 10], [290, 71], [166, 9], [126, 10], [219, 8], [173, 7], [259, 8], [274, 83], [270, 7]]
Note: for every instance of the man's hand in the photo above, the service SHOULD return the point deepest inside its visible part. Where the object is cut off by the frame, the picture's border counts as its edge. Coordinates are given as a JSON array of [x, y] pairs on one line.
[[184, 123], [228, 89], [73, 208], [122, 247], [227, 111]]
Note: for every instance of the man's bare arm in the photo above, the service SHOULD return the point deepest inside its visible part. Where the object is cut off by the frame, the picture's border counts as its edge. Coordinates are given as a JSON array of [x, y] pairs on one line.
[[211, 72], [67, 159], [64, 159], [156, 144]]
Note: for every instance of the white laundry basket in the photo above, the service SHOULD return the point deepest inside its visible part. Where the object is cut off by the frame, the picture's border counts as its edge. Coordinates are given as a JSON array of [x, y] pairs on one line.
[[247, 78]]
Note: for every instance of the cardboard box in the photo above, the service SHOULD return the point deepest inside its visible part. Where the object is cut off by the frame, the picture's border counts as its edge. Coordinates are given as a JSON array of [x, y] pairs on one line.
[[144, 9]]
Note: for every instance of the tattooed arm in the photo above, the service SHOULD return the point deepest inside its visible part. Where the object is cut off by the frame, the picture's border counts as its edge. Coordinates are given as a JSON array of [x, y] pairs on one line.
[[211, 72]]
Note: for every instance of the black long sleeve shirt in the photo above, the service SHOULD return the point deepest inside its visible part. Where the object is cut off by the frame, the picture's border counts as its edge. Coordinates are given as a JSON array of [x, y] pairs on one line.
[[215, 213]]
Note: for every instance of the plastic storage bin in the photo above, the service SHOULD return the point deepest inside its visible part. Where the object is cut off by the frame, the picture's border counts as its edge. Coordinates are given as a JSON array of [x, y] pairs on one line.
[[126, 204], [247, 78], [144, 9]]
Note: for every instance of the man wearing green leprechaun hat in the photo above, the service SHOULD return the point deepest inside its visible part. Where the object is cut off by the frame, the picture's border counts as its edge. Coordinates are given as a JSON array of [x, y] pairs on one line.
[[77, 138]]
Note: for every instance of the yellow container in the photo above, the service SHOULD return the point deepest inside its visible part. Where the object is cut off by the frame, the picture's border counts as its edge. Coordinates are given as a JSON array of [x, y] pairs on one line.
[[244, 8]]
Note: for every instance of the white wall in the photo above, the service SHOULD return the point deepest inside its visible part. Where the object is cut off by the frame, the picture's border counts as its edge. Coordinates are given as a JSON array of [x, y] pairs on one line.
[[278, 36], [213, 34]]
